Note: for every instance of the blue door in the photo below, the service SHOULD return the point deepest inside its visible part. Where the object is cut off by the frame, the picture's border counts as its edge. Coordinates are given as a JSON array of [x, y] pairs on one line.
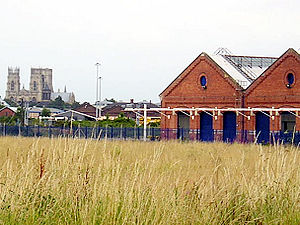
[[206, 127], [229, 126], [262, 127]]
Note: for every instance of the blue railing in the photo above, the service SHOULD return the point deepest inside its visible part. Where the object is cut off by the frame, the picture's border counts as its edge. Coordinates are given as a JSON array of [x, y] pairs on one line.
[[152, 134]]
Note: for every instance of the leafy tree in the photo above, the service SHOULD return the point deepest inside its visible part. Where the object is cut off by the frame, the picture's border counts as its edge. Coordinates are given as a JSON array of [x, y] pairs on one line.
[[20, 115], [110, 100], [75, 105], [8, 120], [45, 112], [58, 103]]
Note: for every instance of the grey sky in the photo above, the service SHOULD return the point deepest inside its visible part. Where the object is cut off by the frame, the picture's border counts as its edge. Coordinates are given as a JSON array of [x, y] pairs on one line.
[[142, 45]]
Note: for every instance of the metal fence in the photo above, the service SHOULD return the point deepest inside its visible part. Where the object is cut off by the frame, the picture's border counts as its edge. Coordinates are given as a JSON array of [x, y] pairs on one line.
[[152, 134]]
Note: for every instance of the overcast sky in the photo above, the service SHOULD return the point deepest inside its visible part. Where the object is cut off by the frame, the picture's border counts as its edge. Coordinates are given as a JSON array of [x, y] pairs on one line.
[[141, 45]]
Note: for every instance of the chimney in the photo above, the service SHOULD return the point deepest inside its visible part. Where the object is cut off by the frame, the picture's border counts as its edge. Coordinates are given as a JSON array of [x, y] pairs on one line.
[[131, 100]]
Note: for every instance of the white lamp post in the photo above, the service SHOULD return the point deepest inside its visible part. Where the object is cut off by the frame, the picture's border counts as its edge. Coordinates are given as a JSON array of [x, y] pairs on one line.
[[97, 89], [100, 109]]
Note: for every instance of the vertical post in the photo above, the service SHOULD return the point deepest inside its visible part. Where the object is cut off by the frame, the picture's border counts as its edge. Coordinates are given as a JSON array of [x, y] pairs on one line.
[[121, 129], [97, 84], [79, 131], [145, 122], [100, 108], [71, 126], [38, 132], [106, 130]]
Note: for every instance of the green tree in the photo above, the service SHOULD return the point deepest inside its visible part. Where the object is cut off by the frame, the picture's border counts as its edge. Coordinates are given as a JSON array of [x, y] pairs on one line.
[[110, 100], [45, 112], [58, 103], [20, 115], [75, 105]]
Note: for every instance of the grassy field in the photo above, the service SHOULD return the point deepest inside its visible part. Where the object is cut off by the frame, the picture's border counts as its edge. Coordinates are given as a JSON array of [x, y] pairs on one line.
[[66, 181]]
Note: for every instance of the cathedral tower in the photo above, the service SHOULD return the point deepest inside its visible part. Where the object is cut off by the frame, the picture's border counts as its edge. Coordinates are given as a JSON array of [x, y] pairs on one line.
[[13, 83], [41, 84]]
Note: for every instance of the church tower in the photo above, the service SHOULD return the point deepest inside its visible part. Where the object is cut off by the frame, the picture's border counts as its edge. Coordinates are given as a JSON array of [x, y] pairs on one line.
[[41, 84], [13, 83]]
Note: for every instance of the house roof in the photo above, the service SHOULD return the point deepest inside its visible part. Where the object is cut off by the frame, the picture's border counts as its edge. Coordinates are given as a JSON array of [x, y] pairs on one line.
[[260, 78], [75, 112], [244, 70], [14, 109], [39, 110]]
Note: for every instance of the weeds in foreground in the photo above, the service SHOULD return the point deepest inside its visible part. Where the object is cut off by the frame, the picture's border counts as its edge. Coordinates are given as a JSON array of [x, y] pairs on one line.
[[69, 181]]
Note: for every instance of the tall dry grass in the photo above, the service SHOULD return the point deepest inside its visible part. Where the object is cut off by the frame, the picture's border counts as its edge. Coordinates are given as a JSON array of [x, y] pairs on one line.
[[67, 181]]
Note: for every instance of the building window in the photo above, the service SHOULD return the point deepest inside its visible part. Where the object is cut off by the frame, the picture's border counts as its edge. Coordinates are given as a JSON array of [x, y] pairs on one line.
[[290, 79], [43, 81], [34, 86], [288, 122], [12, 86], [203, 81]]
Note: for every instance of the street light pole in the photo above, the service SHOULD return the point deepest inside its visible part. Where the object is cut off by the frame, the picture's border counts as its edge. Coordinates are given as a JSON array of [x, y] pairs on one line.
[[100, 109], [97, 89]]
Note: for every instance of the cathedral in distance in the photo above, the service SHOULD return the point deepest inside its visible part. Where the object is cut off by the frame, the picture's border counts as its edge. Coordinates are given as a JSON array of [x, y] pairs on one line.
[[40, 87]]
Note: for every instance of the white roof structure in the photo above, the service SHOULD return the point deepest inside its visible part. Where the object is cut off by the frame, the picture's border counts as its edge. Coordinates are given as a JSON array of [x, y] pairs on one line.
[[243, 69], [2, 102], [35, 109]]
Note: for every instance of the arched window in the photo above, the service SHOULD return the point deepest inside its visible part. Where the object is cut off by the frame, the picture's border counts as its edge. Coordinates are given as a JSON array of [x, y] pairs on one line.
[[43, 81], [12, 86], [203, 81], [34, 86], [290, 78]]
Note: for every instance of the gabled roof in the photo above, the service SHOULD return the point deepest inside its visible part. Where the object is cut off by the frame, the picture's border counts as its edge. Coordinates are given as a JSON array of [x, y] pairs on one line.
[[244, 70], [13, 109], [260, 78], [190, 67]]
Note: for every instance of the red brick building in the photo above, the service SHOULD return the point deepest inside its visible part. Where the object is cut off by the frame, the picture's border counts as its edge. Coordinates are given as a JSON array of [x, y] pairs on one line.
[[6, 111], [225, 81], [87, 108]]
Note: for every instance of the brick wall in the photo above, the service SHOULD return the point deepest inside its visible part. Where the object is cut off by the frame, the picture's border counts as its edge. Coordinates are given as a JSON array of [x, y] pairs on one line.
[[269, 90], [186, 92], [7, 112]]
